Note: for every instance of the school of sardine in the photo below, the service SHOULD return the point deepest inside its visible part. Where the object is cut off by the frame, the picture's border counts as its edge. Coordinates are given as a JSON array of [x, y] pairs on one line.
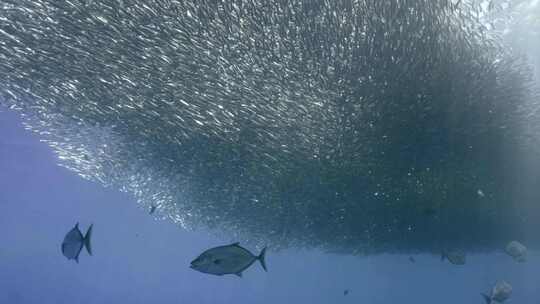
[[251, 117]]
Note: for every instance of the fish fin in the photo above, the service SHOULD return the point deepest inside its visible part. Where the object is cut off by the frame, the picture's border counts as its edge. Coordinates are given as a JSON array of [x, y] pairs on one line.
[[87, 240], [261, 258], [77, 259], [239, 274], [76, 225], [486, 298], [235, 244]]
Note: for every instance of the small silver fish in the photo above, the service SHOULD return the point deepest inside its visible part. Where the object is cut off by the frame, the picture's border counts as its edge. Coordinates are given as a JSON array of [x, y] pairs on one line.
[[455, 257], [500, 293], [517, 251], [229, 259], [74, 242], [480, 193]]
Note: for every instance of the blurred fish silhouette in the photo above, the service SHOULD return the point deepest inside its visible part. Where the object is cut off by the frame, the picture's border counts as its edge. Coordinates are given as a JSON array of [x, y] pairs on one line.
[[500, 293], [456, 257], [345, 292], [517, 251], [480, 193], [152, 209], [412, 260], [74, 242], [229, 259]]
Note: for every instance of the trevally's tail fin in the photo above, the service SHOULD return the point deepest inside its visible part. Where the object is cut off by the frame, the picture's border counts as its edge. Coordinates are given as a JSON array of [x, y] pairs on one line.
[[486, 298], [261, 258], [87, 240]]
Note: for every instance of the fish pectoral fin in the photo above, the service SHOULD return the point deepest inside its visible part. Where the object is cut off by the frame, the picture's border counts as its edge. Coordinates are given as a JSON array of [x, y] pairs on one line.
[[238, 274]]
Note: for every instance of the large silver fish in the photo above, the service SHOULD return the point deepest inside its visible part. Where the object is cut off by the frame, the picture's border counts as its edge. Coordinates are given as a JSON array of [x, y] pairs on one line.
[[500, 293], [74, 242], [229, 259]]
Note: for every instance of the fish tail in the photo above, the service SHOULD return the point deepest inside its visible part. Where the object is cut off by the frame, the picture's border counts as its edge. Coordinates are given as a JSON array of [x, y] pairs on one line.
[[486, 298], [87, 238], [261, 258]]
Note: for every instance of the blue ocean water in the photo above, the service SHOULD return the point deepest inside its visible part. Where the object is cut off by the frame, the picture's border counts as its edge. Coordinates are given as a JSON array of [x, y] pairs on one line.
[[346, 136]]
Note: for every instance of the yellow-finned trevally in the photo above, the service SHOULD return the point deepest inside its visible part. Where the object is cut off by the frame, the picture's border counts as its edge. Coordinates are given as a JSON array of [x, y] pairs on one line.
[[229, 259], [74, 242]]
